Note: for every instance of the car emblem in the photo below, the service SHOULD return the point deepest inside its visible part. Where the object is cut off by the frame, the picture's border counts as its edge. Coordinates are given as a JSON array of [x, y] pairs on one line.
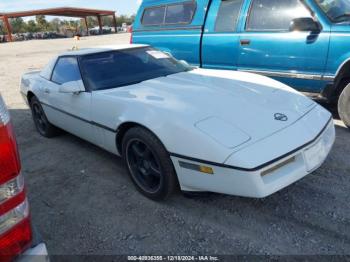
[[281, 117]]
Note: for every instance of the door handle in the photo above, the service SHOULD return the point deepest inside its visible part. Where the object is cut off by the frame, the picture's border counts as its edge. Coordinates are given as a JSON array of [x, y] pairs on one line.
[[245, 42]]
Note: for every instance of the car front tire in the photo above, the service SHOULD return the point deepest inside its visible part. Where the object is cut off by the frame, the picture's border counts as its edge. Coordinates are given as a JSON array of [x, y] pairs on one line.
[[149, 164], [344, 106], [44, 127]]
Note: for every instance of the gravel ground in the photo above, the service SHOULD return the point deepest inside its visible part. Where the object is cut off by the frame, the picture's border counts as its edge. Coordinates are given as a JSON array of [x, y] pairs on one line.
[[83, 202]]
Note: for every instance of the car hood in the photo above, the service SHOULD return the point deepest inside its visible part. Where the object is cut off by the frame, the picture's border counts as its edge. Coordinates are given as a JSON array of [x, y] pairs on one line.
[[220, 103]]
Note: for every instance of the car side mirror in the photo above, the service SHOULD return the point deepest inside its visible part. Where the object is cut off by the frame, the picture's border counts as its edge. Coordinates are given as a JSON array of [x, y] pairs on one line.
[[72, 87], [303, 24]]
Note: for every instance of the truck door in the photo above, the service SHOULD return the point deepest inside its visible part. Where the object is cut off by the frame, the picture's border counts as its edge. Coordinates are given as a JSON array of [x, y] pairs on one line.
[[267, 45], [220, 43]]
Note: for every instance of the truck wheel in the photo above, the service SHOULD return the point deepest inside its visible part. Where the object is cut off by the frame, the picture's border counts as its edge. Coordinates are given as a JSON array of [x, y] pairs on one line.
[[44, 127], [344, 106], [149, 164]]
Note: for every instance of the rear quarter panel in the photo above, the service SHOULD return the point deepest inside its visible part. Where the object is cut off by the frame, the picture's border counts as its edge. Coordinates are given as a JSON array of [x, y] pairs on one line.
[[30, 81]]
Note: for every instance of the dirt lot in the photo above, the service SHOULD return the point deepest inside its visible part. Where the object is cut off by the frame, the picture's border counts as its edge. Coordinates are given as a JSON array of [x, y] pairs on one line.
[[84, 203]]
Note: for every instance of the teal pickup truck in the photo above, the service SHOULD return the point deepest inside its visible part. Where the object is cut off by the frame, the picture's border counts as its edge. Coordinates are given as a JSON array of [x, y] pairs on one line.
[[303, 43]]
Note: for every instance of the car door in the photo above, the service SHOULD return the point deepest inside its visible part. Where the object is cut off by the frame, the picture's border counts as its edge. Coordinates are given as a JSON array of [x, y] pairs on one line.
[[69, 111], [267, 46], [220, 44]]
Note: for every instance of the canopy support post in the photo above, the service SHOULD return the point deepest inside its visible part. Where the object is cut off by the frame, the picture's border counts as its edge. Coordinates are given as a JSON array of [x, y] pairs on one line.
[[115, 24], [100, 23], [86, 25], [8, 28]]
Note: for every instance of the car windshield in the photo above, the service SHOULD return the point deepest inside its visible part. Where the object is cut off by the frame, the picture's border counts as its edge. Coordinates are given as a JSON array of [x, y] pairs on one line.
[[118, 68], [337, 10]]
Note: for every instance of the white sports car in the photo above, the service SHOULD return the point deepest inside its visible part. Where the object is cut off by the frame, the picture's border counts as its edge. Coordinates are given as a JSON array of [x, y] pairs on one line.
[[206, 130]]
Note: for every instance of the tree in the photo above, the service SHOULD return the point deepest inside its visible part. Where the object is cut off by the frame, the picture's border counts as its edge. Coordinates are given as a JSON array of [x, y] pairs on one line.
[[2, 28], [121, 19], [17, 25], [125, 19], [107, 21], [55, 24], [31, 26], [92, 21], [42, 23]]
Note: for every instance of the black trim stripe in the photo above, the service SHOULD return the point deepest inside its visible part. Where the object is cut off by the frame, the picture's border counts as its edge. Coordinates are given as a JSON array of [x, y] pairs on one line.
[[254, 168], [81, 119]]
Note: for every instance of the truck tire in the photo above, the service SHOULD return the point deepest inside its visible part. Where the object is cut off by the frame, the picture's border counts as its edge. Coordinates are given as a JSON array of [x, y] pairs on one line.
[[344, 106]]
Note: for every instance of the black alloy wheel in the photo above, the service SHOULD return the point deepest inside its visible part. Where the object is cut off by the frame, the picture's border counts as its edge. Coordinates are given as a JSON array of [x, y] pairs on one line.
[[149, 164], [44, 127], [143, 165]]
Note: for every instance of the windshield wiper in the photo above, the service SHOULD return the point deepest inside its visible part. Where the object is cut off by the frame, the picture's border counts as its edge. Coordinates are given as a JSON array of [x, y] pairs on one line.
[[346, 15]]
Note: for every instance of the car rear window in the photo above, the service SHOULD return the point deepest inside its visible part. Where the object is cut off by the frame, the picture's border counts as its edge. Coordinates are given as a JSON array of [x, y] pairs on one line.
[[125, 67], [181, 13]]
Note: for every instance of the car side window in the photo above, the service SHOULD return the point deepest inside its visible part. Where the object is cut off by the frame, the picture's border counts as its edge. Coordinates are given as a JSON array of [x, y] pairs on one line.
[[227, 17], [66, 70], [180, 13], [153, 16], [274, 15]]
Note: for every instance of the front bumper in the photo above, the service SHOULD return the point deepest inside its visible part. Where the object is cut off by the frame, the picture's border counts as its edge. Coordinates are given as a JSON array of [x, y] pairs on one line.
[[262, 182]]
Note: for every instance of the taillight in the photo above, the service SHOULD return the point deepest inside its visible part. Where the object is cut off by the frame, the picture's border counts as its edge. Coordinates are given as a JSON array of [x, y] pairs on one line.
[[130, 30], [15, 227]]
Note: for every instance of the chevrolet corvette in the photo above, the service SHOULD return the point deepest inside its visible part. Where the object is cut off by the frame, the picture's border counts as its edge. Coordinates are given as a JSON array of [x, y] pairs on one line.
[[175, 125]]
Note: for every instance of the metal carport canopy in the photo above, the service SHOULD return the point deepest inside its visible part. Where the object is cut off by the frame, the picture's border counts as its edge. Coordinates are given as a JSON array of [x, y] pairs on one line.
[[59, 11]]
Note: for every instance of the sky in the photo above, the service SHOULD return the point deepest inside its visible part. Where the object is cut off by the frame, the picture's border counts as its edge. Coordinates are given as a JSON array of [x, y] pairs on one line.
[[127, 7]]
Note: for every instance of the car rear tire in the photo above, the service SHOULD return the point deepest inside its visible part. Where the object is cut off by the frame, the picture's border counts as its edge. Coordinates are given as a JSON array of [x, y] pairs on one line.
[[344, 106], [149, 164], [44, 127]]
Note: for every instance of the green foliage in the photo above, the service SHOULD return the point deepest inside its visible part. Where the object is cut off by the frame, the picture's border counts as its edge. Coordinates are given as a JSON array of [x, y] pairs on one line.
[[55, 25], [125, 19], [41, 22], [2, 28], [31, 27], [92, 21], [17, 25]]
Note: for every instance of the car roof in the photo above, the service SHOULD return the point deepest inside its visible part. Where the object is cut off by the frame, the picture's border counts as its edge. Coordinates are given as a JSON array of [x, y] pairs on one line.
[[100, 49]]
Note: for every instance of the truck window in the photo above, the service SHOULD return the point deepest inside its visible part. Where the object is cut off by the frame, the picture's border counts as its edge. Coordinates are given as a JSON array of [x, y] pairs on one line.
[[274, 15], [66, 70], [336, 10], [153, 16], [227, 16], [180, 13]]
